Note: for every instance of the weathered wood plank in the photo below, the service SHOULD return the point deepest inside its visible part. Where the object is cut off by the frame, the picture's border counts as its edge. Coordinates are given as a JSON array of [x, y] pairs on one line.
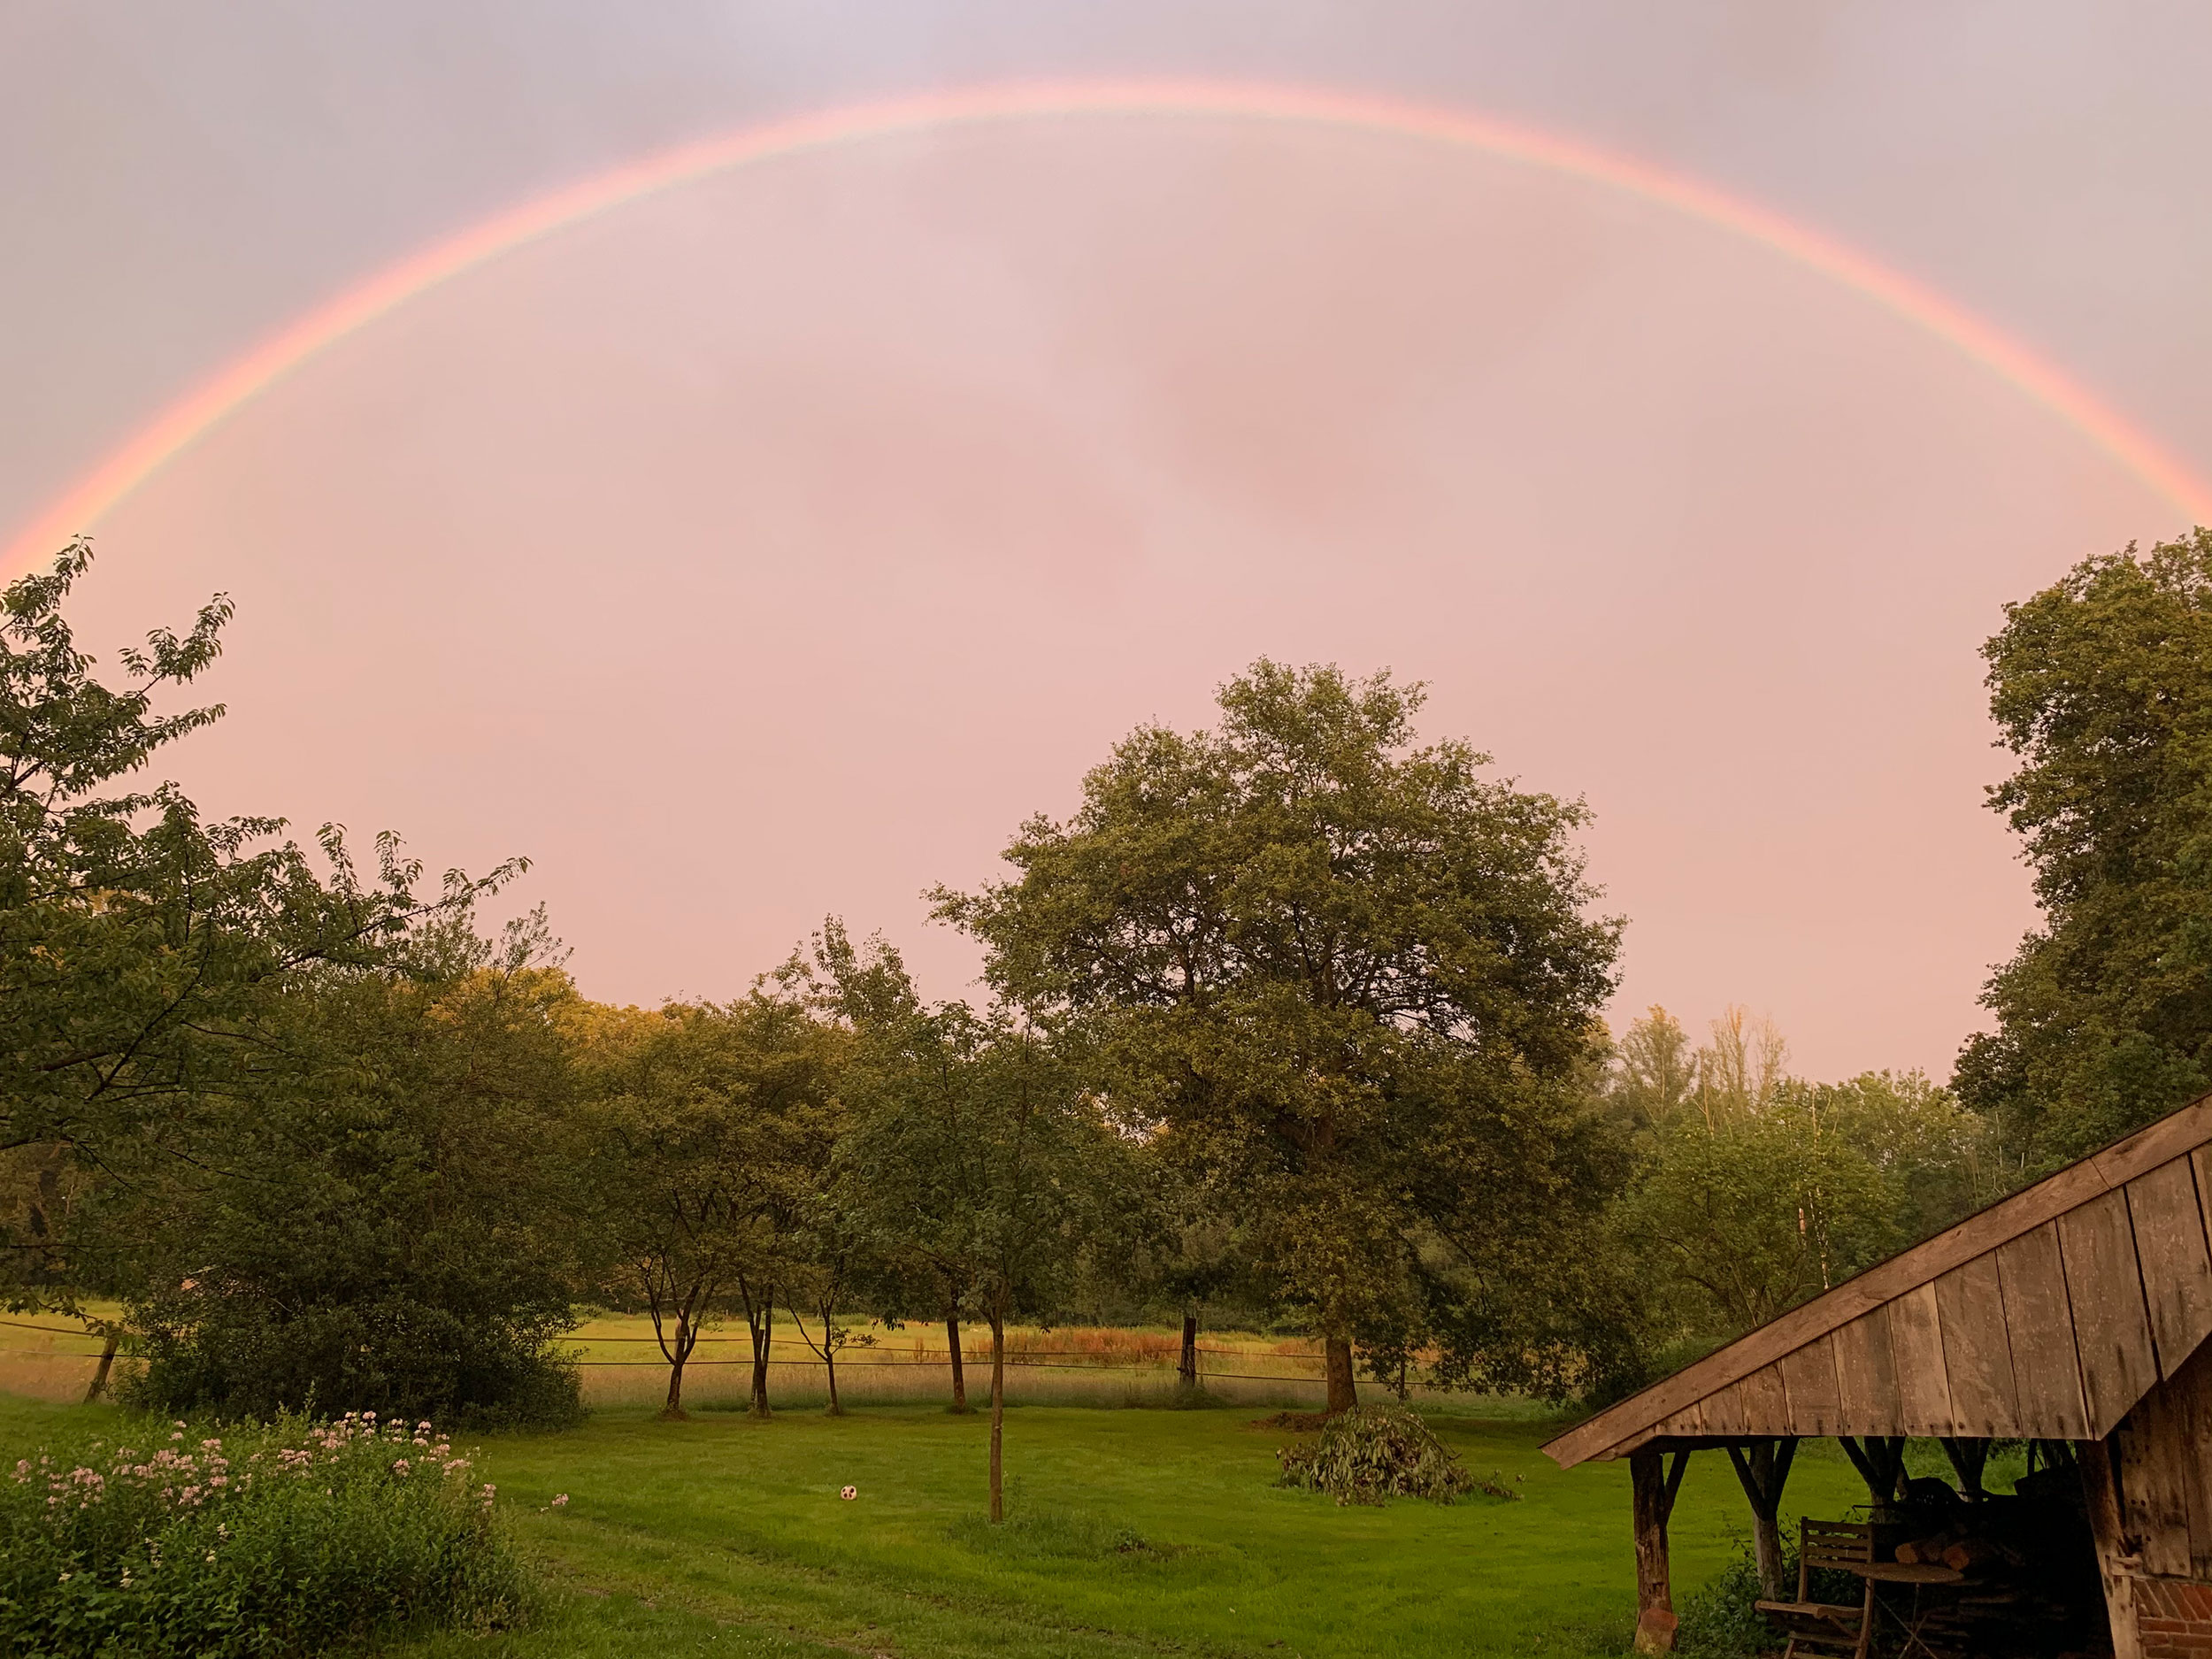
[[1810, 1376], [2153, 1504], [2187, 1397], [2045, 1372], [1722, 1411], [1766, 1403], [1978, 1350], [2112, 1324], [1916, 1346], [2169, 1244], [2014, 1217], [1866, 1374], [2201, 1164]]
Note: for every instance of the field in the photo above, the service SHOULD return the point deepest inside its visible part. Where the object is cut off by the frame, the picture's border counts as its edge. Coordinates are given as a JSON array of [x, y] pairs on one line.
[[49, 1357], [1130, 1531]]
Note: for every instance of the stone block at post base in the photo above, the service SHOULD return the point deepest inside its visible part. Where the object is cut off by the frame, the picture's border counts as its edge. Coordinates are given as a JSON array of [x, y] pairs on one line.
[[1655, 1631]]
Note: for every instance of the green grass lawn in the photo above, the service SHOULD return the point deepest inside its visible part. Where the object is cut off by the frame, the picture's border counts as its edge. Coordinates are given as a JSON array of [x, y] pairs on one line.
[[1129, 1532]]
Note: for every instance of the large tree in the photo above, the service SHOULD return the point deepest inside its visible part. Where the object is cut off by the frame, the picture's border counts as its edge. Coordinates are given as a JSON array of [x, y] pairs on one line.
[[386, 1226], [1353, 981], [143, 949], [2101, 685]]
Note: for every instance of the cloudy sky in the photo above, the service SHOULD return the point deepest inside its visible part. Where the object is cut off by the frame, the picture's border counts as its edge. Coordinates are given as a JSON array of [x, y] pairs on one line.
[[771, 547]]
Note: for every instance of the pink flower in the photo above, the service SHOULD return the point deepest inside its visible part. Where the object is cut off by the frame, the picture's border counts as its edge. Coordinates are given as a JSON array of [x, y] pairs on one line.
[[560, 1501]]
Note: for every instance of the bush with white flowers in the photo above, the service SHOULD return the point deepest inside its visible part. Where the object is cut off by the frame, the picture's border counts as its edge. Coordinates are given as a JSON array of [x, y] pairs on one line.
[[163, 1539]]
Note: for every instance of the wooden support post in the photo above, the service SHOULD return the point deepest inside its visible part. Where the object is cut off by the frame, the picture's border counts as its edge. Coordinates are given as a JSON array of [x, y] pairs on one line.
[[1969, 1458], [2100, 1486], [1654, 1487], [1763, 1467]]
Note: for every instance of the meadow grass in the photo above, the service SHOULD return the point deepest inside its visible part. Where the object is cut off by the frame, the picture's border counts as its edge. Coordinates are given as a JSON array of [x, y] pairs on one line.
[[1130, 1531]]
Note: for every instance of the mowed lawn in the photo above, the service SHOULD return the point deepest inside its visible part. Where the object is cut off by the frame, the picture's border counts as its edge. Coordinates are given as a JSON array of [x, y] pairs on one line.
[[1129, 1532]]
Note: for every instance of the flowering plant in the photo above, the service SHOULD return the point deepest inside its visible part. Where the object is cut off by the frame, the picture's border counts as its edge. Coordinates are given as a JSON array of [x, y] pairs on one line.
[[266, 1539]]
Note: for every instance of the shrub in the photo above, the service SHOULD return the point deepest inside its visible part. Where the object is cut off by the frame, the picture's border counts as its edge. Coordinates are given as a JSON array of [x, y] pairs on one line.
[[255, 1543], [1371, 1452], [1721, 1619], [241, 1357]]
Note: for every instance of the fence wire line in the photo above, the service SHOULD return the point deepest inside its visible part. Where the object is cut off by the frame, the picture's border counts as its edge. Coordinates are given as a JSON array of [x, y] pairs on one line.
[[848, 1364]]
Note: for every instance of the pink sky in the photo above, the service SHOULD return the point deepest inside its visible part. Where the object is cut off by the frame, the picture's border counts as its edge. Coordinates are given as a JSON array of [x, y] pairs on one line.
[[771, 547]]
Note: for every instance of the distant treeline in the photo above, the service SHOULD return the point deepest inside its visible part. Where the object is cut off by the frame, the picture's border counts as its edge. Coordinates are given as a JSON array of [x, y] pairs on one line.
[[1296, 1017]]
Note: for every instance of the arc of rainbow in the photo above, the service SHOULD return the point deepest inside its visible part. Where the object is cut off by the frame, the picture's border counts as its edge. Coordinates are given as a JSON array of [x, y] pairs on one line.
[[176, 428]]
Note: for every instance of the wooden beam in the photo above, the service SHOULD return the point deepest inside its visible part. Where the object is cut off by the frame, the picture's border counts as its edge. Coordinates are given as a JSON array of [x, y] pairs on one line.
[[2115, 1565], [2173, 1136]]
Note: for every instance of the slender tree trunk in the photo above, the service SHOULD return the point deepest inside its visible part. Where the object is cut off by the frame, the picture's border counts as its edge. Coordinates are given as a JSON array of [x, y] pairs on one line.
[[998, 1412], [1186, 1367], [829, 1366], [674, 1409], [959, 1374], [1337, 1361], [98, 1385], [763, 1342]]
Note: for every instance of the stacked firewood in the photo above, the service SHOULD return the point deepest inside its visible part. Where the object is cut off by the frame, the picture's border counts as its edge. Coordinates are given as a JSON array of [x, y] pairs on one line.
[[2019, 1593]]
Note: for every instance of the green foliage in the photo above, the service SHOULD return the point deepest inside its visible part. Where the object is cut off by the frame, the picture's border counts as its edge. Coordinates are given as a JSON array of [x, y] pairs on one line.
[[1756, 1215], [1758, 1189], [1350, 982], [1371, 1452], [707, 1132], [1721, 1619], [2101, 685], [163, 1540], [385, 1231], [141, 948], [974, 1149]]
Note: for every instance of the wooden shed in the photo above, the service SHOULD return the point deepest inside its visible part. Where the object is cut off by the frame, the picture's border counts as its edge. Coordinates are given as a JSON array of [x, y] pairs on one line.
[[2072, 1314]]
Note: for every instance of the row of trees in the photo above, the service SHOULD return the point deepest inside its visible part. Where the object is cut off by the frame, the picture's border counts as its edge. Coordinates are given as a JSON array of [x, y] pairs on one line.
[[1298, 1013]]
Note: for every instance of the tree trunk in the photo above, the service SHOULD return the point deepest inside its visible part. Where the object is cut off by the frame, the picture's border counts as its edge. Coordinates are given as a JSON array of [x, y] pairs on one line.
[[829, 1364], [998, 1412], [98, 1385], [674, 1409], [676, 1356], [959, 1373], [1186, 1367], [1337, 1361], [763, 1342]]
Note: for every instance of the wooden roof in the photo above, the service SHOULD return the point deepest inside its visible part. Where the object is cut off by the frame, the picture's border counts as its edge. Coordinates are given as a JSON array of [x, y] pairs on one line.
[[2046, 1316]]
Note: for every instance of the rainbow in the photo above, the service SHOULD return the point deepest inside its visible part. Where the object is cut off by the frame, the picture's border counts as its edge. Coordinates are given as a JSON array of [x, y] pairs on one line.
[[177, 428]]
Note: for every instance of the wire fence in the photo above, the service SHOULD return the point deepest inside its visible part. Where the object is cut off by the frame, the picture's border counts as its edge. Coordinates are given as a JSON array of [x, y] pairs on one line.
[[1116, 1371]]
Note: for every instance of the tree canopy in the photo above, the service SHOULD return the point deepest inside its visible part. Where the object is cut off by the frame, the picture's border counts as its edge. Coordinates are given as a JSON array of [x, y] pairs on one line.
[[2101, 685], [1353, 977]]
